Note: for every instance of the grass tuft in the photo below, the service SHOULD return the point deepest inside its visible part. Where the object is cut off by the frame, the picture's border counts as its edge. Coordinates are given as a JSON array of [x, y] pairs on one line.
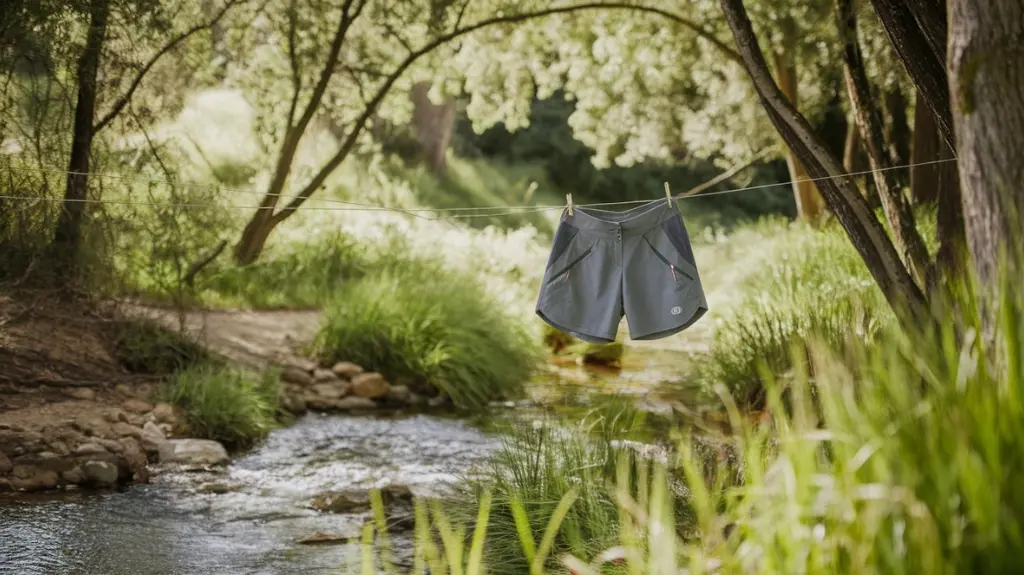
[[423, 326], [225, 404]]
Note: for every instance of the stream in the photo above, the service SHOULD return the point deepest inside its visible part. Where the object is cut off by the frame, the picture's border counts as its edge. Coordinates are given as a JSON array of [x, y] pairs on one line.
[[247, 519]]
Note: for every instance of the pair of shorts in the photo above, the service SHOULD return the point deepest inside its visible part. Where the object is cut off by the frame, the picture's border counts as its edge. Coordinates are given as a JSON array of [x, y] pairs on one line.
[[638, 263]]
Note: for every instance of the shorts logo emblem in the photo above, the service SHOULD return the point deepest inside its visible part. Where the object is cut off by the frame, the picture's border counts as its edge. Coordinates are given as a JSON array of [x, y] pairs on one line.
[[676, 310]]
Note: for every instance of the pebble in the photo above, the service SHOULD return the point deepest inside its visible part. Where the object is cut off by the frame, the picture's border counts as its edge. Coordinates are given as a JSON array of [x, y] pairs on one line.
[[5, 464], [324, 376], [399, 394], [137, 406], [83, 393], [346, 369], [370, 385], [354, 403], [89, 449], [100, 472], [296, 376], [193, 451], [335, 390]]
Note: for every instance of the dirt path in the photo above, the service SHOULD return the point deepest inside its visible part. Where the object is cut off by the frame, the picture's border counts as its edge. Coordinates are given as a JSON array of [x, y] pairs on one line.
[[254, 339]]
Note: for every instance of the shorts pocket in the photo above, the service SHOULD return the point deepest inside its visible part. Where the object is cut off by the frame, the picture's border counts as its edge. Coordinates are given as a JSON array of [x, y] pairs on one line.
[[681, 274], [565, 270]]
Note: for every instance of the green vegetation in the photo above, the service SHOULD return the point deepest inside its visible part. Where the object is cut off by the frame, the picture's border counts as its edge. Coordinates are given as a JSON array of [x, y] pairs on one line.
[[903, 457], [225, 404], [424, 326], [808, 283]]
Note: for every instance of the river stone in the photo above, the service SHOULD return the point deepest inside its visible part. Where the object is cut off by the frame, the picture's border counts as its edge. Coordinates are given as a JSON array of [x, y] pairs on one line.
[[100, 472], [52, 462], [399, 394], [94, 426], [437, 401], [296, 376], [324, 376], [135, 460], [193, 451], [335, 390], [109, 444], [89, 449], [29, 478], [5, 464], [300, 363], [19, 442], [137, 406], [354, 403], [83, 393], [73, 476], [293, 403], [173, 416], [370, 385], [124, 389], [346, 369], [125, 430]]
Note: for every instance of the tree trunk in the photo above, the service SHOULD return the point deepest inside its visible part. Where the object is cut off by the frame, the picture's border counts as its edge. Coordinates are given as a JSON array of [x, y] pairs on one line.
[[986, 79], [924, 176], [939, 184], [839, 191], [897, 210], [809, 205], [852, 145], [925, 66], [434, 124], [67, 237], [897, 132]]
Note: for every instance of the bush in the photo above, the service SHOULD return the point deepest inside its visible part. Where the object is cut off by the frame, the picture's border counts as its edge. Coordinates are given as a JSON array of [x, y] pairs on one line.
[[420, 324], [225, 404]]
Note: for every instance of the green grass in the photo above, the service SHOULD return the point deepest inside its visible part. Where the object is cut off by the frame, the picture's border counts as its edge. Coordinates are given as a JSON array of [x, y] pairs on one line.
[[904, 456], [225, 404], [809, 282], [420, 324]]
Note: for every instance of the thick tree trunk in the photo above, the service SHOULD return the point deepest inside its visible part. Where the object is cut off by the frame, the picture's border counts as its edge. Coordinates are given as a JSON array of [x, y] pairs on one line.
[[918, 54], [897, 210], [67, 237], [434, 124], [809, 205], [986, 79], [839, 191]]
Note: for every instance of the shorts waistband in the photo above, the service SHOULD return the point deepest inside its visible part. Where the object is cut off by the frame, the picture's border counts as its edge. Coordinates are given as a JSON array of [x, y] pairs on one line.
[[614, 224]]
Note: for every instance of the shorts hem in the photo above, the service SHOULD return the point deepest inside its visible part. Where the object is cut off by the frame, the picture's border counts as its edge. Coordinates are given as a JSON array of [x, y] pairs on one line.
[[672, 329], [579, 333]]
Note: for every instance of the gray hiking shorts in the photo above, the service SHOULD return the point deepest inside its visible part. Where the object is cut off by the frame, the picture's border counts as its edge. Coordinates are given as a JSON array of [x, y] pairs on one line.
[[637, 263]]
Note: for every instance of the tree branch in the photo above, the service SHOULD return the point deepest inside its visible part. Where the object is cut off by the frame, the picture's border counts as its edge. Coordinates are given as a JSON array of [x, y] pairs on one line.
[[293, 62], [382, 92], [725, 175], [127, 96]]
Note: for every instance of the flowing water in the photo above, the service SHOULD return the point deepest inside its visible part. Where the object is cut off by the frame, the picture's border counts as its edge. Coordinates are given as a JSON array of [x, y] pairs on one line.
[[248, 518]]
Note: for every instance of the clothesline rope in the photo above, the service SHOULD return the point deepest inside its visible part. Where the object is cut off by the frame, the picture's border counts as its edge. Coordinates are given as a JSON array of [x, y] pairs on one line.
[[361, 207]]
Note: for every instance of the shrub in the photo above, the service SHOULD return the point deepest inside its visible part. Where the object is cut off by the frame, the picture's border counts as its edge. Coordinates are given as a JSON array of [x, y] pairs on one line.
[[420, 324], [225, 404], [145, 347]]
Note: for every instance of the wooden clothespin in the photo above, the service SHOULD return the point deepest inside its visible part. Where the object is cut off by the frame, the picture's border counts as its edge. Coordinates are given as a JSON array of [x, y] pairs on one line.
[[568, 201], [668, 195]]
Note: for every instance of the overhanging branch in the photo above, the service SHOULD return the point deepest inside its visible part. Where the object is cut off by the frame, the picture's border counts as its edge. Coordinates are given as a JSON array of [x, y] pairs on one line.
[[382, 92], [137, 81]]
